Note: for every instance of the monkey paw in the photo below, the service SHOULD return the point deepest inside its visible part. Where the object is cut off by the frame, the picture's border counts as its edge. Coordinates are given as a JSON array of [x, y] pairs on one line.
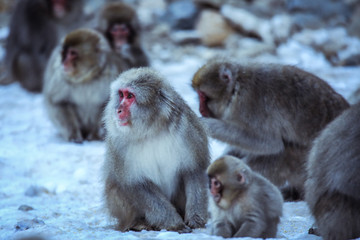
[[195, 221]]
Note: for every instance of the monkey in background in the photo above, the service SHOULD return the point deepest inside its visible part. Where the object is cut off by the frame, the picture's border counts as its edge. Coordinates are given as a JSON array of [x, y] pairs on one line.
[[269, 113], [76, 84], [120, 24], [35, 28], [244, 203], [333, 184], [156, 156]]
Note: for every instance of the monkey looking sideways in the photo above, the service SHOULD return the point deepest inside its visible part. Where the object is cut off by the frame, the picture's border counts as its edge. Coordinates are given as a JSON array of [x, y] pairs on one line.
[[156, 156], [120, 25], [333, 184], [269, 113], [244, 203], [35, 28], [76, 84]]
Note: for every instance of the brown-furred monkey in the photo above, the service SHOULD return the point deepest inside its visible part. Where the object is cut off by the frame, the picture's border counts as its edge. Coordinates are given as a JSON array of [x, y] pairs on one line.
[[332, 189], [120, 24], [156, 156], [267, 112], [76, 84], [243, 203], [35, 28]]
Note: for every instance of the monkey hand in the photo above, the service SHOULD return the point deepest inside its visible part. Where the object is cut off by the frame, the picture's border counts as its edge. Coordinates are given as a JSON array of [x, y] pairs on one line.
[[195, 221], [76, 137]]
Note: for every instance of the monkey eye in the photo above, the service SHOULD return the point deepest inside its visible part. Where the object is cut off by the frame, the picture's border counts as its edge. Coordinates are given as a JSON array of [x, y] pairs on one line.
[[73, 53], [130, 95], [121, 94]]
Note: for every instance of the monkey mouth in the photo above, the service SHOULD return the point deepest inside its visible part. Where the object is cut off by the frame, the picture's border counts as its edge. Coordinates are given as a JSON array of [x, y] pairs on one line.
[[217, 197]]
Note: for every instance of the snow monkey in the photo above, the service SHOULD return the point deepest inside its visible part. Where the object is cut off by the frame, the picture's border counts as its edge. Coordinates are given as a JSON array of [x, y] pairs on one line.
[[119, 23], [333, 184], [35, 28], [156, 156], [76, 84], [244, 203], [268, 113]]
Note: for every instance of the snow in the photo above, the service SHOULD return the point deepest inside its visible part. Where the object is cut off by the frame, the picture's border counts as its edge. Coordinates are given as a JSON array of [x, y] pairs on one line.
[[62, 180]]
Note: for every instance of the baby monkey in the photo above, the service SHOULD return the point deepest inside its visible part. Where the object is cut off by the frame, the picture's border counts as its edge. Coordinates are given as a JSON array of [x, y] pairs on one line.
[[244, 204]]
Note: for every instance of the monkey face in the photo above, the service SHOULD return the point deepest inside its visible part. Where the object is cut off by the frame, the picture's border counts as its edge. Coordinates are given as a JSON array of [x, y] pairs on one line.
[[229, 177], [126, 99], [213, 83]]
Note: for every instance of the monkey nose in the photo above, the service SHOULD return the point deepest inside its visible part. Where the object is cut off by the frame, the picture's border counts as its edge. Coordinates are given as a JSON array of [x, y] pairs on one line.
[[119, 111]]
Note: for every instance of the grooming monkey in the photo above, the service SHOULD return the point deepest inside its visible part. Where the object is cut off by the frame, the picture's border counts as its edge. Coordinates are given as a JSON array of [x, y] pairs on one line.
[[120, 24], [35, 28], [269, 113], [76, 84], [333, 184], [244, 203], [156, 156]]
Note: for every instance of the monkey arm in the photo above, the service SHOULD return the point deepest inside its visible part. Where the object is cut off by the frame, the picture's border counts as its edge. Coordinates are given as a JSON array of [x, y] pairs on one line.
[[65, 118], [158, 210], [253, 226], [252, 141], [196, 196], [222, 228]]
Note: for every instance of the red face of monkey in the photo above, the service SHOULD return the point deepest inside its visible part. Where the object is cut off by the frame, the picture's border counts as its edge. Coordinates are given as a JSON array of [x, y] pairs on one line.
[[126, 99]]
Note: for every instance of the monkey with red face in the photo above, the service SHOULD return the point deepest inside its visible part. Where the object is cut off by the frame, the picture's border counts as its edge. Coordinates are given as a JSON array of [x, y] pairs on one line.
[[76, 84], [268, 113], [156, 156], [244, 203], [120, 25]]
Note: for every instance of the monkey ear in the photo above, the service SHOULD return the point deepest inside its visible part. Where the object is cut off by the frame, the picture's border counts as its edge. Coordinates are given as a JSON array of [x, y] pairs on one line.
[[226, 75], [240, 177]]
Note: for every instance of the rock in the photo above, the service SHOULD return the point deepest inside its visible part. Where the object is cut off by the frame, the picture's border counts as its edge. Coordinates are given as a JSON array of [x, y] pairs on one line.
[[247, 22], [307, 21], [185, 36], [26, 224], [281, 26], [211, 3], [213, 28], [242, 47], [336, 12], [354, 26], [33, 237], [181, 14], [34, 191], [353, 60], [25, 208]]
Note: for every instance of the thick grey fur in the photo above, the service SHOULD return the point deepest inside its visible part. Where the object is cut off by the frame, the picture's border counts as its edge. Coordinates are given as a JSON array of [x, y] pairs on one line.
[[155, 168]]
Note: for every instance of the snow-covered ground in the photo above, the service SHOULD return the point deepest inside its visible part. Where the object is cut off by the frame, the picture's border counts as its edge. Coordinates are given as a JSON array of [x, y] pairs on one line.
[[61, 181]]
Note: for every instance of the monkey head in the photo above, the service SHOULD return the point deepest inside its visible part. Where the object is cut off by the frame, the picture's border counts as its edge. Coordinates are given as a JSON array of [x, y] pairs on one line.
[[214, 83], [229, 177], [138, 99], [120, 24], [59, 8], [83, 55]]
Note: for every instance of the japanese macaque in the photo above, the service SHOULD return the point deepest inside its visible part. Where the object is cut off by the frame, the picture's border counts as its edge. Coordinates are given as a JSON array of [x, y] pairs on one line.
[[35, 28], [76, 84], [244, 203], [333, 184], [156, 156], [119, 23], [268, 113]]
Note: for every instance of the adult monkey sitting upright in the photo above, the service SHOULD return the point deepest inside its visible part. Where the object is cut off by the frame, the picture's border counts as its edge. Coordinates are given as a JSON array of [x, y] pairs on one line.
[[121, 27], [156, 156], [269, 113], [35, 28]]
